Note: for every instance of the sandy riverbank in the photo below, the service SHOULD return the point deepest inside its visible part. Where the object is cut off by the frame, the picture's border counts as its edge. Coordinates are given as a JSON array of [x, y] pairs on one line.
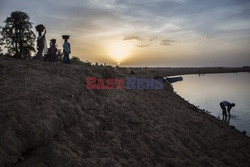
[[49, 118]]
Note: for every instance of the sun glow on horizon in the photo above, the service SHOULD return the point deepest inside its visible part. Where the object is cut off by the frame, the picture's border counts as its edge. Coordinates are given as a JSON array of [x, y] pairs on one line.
[[119, 51]]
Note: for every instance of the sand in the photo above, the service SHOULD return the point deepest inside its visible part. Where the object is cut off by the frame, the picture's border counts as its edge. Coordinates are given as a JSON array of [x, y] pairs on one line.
[[49, 118]]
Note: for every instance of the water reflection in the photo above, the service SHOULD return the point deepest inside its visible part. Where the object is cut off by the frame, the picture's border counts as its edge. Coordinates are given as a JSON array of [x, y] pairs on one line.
[[207, 91]]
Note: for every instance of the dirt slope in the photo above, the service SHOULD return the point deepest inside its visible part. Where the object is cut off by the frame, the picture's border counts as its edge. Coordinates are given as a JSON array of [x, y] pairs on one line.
[[49, 118]]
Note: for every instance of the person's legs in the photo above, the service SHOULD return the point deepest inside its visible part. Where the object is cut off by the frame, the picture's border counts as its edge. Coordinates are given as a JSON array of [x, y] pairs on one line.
[[53, 58], [228, 121], [65, 58], [224, 111], [39, 54], [68, 59]]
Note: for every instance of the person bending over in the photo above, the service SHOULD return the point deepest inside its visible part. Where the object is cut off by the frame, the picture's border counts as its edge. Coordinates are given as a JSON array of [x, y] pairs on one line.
[[226, 107]]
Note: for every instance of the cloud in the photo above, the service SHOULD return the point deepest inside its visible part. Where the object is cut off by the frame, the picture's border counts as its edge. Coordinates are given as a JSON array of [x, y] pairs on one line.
[[167, 42], [147, 23], [132, 38], [143, 46], [203, 37]]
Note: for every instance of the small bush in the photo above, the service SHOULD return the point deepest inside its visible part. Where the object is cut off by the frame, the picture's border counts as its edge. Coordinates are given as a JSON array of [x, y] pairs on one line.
[[75, 60], [107, 73]]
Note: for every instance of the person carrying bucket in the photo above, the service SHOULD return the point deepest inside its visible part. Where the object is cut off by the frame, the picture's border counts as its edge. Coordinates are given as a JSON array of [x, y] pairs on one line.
[[41, 42], [66, 49]]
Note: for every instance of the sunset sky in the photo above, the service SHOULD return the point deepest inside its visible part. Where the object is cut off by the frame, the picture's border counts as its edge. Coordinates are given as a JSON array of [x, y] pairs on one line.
[[145, 32]]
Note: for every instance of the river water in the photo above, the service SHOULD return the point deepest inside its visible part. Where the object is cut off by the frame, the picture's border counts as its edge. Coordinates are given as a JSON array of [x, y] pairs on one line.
[[207, 91]]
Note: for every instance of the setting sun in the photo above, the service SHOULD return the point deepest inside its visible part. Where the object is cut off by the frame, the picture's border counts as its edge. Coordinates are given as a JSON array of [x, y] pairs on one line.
[[119, 51], [124, 83]]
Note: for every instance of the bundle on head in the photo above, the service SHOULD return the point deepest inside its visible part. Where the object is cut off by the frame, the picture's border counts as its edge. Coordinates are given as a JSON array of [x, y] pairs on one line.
[[53, 40], [40, 28], [65, 36]]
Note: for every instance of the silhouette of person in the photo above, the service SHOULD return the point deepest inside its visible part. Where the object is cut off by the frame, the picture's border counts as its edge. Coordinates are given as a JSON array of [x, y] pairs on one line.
[[226, 107], [132, 72], [66, 49], [53, 50], [226, 119], [41, 42]]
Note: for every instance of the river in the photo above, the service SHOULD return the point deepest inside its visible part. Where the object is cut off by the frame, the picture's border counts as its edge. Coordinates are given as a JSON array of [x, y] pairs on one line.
[[207, 91]]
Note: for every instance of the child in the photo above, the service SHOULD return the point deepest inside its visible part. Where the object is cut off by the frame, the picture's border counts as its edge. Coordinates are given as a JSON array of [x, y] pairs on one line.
[[53, 50]]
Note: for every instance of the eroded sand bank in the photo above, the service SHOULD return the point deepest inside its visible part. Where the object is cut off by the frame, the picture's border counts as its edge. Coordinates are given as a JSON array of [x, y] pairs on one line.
[[49, 118]]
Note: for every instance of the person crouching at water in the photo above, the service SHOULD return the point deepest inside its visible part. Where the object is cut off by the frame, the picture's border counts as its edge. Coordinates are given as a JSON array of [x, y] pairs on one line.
[[226, 107], [53, 50], [66, 49]]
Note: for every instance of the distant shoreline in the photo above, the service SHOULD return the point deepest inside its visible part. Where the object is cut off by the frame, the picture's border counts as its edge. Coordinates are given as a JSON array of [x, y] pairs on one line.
[[169, 71], [210, 73]]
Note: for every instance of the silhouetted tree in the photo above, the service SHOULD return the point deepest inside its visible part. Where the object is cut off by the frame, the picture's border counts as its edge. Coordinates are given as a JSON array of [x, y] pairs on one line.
[[1, 44], [1, 47], [17, 35], [88, 63], [75, 60]]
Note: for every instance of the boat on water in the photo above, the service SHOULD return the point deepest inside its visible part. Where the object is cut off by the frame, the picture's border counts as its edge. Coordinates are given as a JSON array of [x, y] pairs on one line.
[[174, 79]]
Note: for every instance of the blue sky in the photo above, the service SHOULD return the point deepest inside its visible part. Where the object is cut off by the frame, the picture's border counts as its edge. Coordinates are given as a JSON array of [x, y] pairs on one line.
[[146, 32]]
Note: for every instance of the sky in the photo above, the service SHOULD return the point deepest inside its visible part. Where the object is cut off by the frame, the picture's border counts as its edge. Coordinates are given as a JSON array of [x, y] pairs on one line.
[[145, 32]]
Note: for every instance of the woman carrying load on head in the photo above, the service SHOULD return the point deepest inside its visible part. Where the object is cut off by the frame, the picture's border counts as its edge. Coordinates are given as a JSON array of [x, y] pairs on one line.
[[66, 49], [41, 42]]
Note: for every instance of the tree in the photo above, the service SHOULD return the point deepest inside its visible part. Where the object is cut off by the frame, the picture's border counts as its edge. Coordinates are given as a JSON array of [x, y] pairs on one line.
[[1, 48], [1, 44], [75, 60], [17, 35]]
